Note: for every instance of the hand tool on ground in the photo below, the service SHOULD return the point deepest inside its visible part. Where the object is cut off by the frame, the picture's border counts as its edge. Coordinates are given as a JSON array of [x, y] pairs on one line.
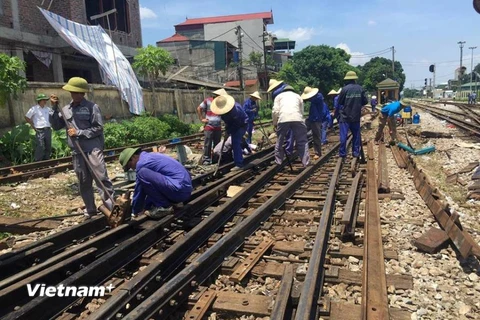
[[116, 216], [288, 158], [225, 137], [262, 130]]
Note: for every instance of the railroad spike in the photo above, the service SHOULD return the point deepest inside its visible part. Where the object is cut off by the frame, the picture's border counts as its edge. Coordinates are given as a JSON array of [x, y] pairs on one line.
[[119, 316], [173, 303]]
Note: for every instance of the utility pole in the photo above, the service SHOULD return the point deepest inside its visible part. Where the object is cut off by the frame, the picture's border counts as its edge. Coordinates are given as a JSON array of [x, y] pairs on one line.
[[106, 14], [265, 58], [434, 71], [471, 69], [461, 43], [240, 56], [431, 91], [393, 62]]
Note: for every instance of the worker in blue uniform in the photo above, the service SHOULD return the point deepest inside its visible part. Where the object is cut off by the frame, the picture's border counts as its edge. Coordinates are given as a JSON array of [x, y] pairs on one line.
[[316, 118], [161, 182], [235, 118], [352, 98], [251, 109], [388, 116]]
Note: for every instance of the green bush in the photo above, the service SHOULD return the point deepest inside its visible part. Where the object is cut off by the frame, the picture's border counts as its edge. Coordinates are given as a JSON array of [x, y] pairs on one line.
[[17, 145], [148, 129], [177, 127], [265, 110]]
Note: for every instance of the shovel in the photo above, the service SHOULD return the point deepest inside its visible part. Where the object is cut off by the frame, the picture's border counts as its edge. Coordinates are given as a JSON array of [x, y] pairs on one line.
[[220, 156]]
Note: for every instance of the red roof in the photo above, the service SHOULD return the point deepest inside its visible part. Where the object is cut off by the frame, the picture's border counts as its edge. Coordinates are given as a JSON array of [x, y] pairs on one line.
[[232, 18], [175, 38], [236, 83]]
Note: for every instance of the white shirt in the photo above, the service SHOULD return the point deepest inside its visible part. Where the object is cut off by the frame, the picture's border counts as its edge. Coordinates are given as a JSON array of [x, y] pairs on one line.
[[287, 107], [39, 116]]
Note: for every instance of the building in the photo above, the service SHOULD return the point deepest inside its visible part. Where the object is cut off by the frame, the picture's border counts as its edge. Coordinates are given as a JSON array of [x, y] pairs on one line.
[[282, 51], [25, 33], [210, 46], [251, 85]]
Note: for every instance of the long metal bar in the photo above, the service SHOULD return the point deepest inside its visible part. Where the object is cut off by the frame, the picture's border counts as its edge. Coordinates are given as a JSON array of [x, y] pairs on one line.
[[374, 284], [168, 297], [312, 286], [383, 180]]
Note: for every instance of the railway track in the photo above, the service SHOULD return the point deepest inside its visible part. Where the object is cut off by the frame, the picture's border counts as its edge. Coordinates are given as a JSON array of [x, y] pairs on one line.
[[454, 117], [46, 168], [278, 227]]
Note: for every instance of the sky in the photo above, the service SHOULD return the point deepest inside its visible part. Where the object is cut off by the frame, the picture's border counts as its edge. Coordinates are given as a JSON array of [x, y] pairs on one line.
[[423, 32]]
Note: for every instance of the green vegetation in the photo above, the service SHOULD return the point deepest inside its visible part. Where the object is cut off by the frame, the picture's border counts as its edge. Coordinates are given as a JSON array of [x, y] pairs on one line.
[[378, 69], [18, 145], [11, 82]]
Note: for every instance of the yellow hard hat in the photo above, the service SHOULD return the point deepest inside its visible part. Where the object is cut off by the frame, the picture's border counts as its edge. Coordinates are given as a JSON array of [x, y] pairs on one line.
[[351, 75], [76, 84]]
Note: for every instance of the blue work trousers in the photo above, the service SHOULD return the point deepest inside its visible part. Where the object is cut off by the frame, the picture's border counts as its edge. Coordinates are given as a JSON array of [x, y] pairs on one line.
[[249, 130], [289, 142], [354, 128], [325, 125], [237, 146], [159, 189]]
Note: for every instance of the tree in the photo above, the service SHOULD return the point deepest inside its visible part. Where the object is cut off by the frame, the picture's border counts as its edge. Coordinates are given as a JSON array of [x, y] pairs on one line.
[[411, 93], [11, 80], [291, 77], [256, 59], [378, 69], [152, 61], [323, 67]]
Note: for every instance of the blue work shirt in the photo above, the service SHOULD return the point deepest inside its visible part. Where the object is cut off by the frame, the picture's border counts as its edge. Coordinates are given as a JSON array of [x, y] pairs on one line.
[[392, 108], [251, 109], [173, 171], [336, 107], [235, 119], [318, 109], [278, 90], [352, 99]]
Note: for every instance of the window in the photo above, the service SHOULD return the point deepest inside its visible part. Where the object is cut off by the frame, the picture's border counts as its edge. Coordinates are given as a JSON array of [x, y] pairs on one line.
[[119, 21]]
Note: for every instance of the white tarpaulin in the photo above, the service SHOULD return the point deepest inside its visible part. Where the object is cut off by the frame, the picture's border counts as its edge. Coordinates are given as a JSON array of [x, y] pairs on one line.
[[95, 42]]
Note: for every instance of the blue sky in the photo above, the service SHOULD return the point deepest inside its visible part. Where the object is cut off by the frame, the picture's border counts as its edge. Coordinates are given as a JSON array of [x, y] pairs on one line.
[[422, 31]]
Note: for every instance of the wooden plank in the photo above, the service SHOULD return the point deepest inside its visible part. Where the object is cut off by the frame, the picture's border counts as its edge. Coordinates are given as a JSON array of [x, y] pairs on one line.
[[244, 268], [297, 205], [383, 179], [374, 284], [245, 304], [350, 311], [295, 247], [202, 305], [398, 158], [432, 240], [349, 207], [283, 295], [404, 282], [16, 226], [297, 217]]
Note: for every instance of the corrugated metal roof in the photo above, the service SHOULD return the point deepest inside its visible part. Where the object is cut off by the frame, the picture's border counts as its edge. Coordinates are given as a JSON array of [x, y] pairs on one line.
[[268, 16]]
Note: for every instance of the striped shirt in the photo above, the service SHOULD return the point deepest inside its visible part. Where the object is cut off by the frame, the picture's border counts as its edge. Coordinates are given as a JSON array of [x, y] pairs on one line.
[[214, 121]]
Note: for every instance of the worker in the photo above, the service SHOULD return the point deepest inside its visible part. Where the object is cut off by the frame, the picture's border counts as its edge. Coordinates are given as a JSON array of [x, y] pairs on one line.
[[235, 118], [388, 116], [38, 117], [161, 182], [289, 142], [374, 103], [227, 153], [326, 123], [351, 100], [84, 123], [212, 129], [251, 109], [287, 114], [316, 117]]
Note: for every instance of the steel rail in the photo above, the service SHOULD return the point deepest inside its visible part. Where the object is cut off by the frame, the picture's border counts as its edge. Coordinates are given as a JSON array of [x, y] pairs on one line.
[[312, 286], [374, 281], [169, 296], [118, 257]]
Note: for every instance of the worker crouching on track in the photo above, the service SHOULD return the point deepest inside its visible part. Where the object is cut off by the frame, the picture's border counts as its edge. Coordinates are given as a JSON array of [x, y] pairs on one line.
[[226, 152], [161, 182], [318, 118], [388, 116], [287, 114], [351, 100], [84, 122], [235, 119]]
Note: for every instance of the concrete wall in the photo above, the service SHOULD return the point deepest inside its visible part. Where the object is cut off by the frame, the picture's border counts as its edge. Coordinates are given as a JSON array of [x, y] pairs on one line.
[[253, 28], [165, 101]]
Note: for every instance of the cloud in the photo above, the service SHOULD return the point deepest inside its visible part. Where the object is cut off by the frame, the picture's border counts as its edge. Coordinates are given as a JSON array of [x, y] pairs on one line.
[[146, 13], [298, 34], [357, 57], [372, 22]]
